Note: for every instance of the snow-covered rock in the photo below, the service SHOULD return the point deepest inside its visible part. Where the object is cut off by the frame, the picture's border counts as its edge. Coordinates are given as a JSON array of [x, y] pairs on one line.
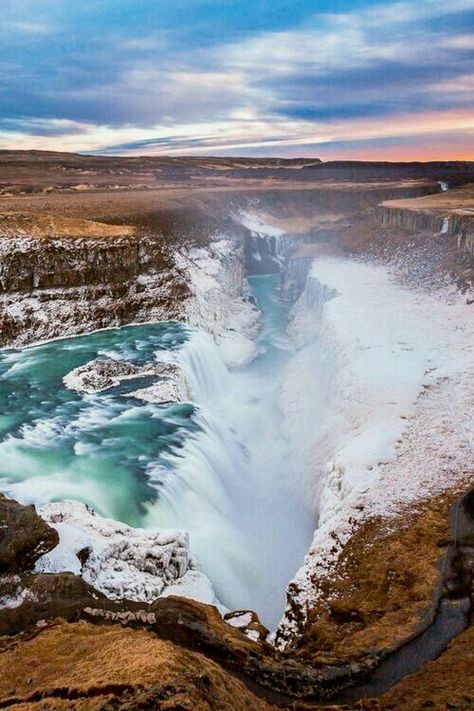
[[121, 561], [166, 390], [220, 302], [104, 373], [392, 372], [59, 287]]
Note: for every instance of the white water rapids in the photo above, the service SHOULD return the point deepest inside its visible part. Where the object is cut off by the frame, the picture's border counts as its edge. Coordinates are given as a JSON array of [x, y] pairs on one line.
[[274, 449], [235, 486]]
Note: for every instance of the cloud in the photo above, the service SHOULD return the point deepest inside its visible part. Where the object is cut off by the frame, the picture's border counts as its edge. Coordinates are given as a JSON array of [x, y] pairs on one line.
[[216, 76], [35, 28], [42, 127]]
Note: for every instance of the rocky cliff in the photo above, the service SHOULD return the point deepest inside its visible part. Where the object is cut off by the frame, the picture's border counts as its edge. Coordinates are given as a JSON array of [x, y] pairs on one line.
[[450, 213], [74, 276], [456, 224]]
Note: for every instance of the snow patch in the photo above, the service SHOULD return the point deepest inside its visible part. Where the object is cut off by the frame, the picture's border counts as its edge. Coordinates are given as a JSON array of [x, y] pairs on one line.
[[120, 561], [392, 370], [256, 224]]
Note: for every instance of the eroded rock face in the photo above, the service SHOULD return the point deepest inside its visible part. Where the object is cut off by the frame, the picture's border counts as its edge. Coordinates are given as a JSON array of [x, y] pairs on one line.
[[220, 302], [28, 600], [24, 536], [62, 286]]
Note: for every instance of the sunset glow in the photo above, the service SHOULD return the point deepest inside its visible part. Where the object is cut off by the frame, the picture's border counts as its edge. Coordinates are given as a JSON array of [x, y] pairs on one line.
[[360, 80]]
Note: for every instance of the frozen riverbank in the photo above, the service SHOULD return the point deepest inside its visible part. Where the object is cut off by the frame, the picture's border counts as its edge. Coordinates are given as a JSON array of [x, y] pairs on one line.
[[393, 369]]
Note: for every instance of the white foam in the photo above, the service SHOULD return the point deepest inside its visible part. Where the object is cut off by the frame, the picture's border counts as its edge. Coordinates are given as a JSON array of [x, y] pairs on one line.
[[233, 485]]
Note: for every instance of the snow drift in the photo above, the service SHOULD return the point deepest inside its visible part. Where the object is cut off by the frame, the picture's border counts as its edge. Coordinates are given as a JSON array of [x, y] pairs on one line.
[[391, 371]]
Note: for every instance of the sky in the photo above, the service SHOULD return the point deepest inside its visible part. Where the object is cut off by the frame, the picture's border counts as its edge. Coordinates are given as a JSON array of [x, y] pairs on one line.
[[333, 79]]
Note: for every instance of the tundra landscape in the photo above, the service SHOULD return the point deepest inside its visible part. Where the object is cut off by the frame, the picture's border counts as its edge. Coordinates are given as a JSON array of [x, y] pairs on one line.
[[328, 305], [236, 355]]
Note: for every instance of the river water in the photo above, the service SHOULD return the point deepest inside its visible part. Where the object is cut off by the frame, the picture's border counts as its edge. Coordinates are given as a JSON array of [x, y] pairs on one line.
[[220, 468]]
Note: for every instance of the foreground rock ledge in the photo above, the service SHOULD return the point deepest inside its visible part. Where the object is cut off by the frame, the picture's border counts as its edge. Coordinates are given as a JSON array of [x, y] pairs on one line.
[[92, 652]]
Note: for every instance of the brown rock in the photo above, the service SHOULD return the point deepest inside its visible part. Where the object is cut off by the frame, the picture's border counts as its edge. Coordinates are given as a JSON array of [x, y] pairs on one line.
[[24, 536]]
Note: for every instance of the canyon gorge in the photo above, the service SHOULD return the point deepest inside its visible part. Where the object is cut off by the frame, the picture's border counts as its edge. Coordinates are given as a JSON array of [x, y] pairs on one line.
[[236, 454]]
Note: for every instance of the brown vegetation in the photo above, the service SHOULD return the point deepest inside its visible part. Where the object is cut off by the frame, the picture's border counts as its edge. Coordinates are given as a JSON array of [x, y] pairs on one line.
[[385, 584], [82, 666], [44, 226]]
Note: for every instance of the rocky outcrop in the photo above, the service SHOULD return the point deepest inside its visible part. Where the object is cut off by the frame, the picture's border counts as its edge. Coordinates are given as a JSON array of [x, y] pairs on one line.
[[165, 390], [452, 224], [115, 668], [104, 373], [415, 220], [56, 286], [24, 536], [248, 622], [27, 600], [55, 563], [462, 228], [120, 561]]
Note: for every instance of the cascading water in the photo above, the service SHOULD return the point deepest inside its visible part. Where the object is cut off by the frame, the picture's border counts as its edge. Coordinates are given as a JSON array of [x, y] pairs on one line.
[[224, 469], [235, 485], [57, 444]]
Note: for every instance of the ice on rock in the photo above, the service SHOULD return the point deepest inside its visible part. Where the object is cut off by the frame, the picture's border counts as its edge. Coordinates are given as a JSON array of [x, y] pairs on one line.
[[120, 561], [220, 304], [391, 370], [104, 373], [166, 390]]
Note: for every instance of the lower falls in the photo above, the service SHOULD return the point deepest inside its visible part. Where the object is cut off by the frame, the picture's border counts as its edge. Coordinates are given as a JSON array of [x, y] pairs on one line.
[[257, 456], [221, 468]]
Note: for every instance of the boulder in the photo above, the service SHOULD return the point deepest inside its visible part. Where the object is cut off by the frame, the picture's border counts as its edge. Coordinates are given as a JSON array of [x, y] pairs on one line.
[[24, 536]]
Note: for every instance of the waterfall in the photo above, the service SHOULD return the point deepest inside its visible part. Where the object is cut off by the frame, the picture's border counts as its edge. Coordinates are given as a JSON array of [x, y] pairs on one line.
[[234, 485], [207, 377]]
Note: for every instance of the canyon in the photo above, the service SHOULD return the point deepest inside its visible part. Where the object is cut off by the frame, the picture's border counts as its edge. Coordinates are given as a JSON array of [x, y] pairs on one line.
[[239, 395]]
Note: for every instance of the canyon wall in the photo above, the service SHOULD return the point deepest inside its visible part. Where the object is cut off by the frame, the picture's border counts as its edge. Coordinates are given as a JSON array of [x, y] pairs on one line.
[[64, 276], [68, 285], [462, 228], [220, 302], [454, 224], [393, 384]]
